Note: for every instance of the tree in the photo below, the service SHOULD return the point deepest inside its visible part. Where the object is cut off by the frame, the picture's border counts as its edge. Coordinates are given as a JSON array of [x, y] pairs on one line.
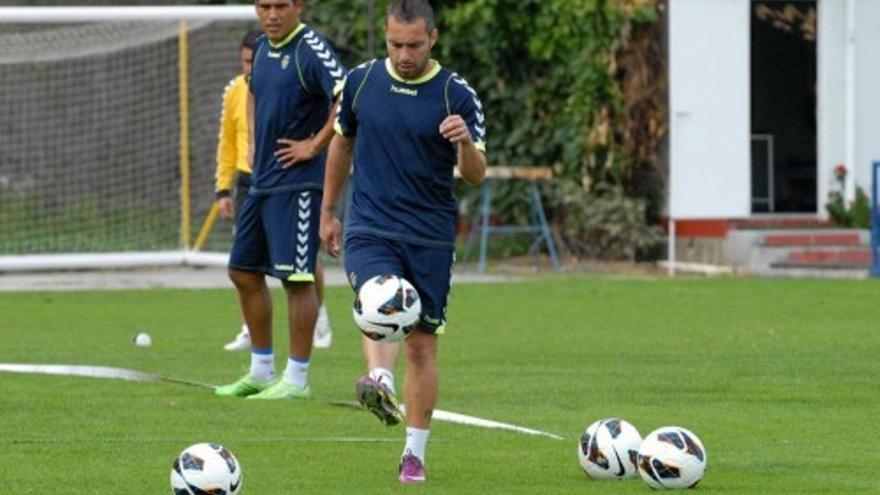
[[577, 85]]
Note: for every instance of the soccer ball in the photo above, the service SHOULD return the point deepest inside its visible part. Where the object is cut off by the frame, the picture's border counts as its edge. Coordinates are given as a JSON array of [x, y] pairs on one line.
[[672, 457], [387, 308], [608, 449], [205, 468]]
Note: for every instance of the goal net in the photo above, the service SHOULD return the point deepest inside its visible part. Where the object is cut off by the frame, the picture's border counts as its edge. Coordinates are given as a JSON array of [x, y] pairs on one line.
[[109, 133]]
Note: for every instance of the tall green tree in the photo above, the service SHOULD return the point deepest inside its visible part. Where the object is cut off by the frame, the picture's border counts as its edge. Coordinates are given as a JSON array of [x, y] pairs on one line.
[[547, 71], [577, 85]]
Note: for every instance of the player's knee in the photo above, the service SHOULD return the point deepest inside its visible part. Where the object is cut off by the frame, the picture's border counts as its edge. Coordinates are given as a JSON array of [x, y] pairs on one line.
[[245, 280], [301, 291], [301, 287], [421, 349]]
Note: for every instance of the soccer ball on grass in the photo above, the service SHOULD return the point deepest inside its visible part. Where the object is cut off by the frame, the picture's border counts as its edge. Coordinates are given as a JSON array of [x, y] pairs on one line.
[[608, 449], [205, 468], [672, 457]]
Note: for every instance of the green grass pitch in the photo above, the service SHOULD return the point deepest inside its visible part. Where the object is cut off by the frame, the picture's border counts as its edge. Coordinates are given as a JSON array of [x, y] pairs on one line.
[[779, 378]]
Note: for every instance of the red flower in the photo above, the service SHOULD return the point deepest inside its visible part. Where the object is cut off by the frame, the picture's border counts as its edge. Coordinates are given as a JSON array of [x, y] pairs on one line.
[[840, 171]]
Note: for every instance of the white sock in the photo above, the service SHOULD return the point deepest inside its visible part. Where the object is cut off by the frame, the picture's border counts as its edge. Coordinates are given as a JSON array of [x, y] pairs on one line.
[[297, 372], [322, 312], [245, 329], [262, 366], [385, 377], [416, 441]]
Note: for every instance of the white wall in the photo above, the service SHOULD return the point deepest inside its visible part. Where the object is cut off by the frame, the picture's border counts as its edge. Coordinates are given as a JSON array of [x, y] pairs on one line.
[[709, 75], [834, 122], [831, 94], [710, 159], [867, 89]]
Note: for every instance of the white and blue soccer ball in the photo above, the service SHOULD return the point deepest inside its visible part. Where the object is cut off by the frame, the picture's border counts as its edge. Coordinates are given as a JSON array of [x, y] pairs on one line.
[[608, 449], [206, 468], [672, 457], [387, 308]]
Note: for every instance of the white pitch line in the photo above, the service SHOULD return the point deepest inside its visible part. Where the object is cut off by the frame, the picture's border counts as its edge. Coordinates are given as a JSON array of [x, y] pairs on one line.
[[87, 371], [27, 441], [138, 376], [464, 419], [95, 372]]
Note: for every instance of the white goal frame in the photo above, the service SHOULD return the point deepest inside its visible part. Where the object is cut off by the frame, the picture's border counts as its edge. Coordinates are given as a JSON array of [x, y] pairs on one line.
[[109, 14], [85, 261]]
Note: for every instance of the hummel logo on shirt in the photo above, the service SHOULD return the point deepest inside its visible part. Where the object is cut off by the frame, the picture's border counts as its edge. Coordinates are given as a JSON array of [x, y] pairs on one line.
[[404, 91]]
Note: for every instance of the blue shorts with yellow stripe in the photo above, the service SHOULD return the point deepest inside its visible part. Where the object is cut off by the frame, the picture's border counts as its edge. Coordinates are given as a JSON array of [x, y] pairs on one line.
[[277, 234], [428, 269]]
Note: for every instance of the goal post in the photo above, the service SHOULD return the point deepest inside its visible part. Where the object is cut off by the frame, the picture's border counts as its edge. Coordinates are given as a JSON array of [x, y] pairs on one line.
[[10, 15], [109, 135]]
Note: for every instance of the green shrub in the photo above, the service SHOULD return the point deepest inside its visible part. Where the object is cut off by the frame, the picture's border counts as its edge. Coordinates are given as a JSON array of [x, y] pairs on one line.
[[857, 213], [602, 223]]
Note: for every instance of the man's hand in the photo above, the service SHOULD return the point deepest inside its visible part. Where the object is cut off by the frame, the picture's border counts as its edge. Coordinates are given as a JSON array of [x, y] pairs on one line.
[[291, 152], [455, 129], [471, 161], [331, 233], [227, 208]]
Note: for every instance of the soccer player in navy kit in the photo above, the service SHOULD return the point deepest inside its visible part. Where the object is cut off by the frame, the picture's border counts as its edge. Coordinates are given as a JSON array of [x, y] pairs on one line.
[[233, 178], [292, 88], [407, 122]]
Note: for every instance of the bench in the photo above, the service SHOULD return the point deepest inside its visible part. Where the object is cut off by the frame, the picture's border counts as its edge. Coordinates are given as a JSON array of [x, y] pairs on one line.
[[538, 226]]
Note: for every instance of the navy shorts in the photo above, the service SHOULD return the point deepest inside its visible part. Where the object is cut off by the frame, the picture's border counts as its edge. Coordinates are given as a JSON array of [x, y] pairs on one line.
[[428, 269], [277, 234], [242, 185]]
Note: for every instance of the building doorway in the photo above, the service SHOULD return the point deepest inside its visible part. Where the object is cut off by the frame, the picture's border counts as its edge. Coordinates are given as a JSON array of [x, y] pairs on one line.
[[783, 106]]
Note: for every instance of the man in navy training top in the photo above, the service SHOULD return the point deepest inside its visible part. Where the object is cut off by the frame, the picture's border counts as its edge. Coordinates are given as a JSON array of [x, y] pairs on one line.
[[407, 123], [290, 109]]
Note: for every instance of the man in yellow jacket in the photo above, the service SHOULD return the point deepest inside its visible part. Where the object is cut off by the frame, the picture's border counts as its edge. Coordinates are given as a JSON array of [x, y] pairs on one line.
[[233, 179]]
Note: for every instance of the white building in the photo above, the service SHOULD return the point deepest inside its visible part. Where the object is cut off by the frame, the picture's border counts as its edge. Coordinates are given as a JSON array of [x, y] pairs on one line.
[[767, 97]]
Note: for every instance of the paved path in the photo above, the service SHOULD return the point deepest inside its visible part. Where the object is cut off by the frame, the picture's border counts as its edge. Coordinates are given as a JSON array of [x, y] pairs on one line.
[[163, 278]]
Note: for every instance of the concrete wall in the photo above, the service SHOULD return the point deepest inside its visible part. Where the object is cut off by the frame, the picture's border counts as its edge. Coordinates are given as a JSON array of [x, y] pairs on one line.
[[704, 188], [835, 39], [831, 105], [709, 72], [867, 55]]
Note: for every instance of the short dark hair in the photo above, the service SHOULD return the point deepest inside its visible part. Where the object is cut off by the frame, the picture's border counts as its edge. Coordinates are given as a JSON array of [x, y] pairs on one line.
[[408, 11], [250, 39], [291, 1]]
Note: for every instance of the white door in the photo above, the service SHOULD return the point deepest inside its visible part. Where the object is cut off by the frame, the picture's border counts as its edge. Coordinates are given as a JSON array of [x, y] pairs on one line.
[[710, 150]]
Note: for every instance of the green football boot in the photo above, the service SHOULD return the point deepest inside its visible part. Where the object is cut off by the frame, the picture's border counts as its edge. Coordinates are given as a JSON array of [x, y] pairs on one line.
[[283, 390], [243, 387]]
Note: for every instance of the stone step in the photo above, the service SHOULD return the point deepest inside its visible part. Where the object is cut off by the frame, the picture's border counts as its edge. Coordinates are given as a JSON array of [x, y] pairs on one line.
[[813, 238], [784, 271], [783, 222], [808, 249], [829, 258]]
